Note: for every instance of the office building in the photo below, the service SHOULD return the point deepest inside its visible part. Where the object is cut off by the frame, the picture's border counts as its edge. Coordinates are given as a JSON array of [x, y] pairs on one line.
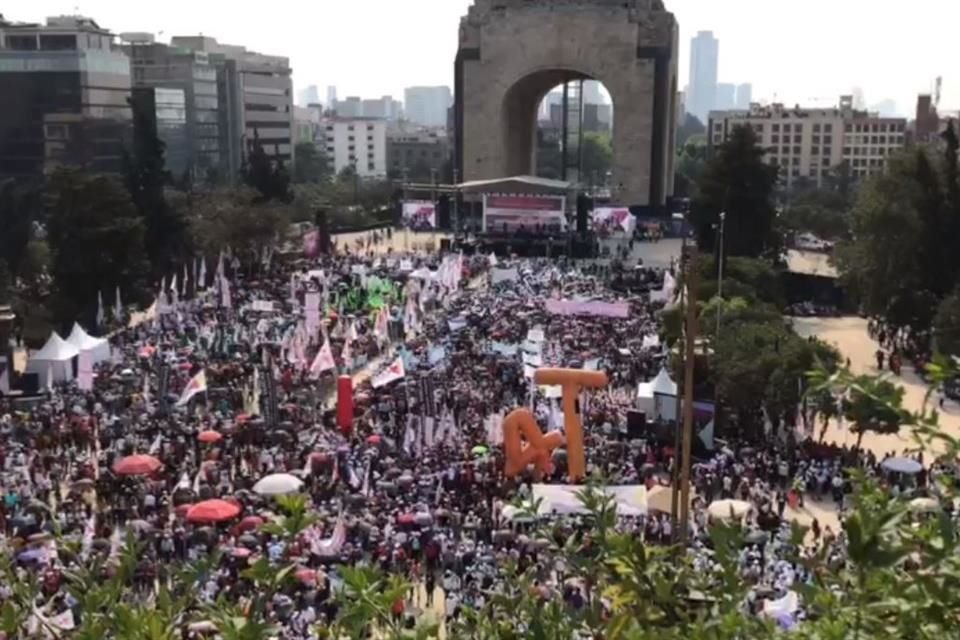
[[164, 113], [256, 93], [162, 66], [351, 107], [331, 96], [356, 142], [418, 157], [592, 93], [704, 57], [65, 90], [809, 143], [308, 96], [726, 97], [385, 107], [927, 125], [744, 96], [427, 106]]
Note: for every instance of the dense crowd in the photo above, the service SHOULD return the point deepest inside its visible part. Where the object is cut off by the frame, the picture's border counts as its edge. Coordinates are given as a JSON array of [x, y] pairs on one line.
[[415, 484]]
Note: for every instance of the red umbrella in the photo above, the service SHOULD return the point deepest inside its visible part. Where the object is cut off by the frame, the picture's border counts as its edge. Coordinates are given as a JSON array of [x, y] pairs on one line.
[[212, 511], [250, 523], [136, 465], [406, 518], [210, 437], [306, 576], [243, 417], [374, 439]]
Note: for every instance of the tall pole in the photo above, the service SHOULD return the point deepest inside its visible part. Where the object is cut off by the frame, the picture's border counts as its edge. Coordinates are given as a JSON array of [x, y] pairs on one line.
[[723, 221], [689, 354], [456, 202], [677, 440]]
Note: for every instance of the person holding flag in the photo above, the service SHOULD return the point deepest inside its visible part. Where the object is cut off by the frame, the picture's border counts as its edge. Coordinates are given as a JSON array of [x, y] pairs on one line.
[[197, 384]]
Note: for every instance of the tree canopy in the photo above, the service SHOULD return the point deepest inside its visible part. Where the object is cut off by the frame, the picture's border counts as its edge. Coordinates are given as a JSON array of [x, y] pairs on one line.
[[96, 239], [901, 261], [736, 180]]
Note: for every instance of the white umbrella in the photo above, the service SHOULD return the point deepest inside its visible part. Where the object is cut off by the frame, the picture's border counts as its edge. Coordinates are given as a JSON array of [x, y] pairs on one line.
[[728, 509], [278, 484], [924, 505], [902, 465]]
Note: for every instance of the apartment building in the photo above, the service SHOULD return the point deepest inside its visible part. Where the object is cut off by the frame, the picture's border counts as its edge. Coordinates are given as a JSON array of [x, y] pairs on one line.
[[356, 142], [809, 142]]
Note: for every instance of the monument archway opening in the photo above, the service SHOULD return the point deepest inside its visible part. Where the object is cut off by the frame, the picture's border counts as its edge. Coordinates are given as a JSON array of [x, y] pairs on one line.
[[573, 138], [514, 52]]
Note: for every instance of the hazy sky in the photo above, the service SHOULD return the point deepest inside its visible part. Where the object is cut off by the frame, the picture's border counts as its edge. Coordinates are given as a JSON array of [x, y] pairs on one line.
[[791, 51]]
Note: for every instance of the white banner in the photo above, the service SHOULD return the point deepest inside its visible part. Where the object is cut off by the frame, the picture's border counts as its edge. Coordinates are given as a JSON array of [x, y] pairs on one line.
[[504, 275], [613, 219], [85, 371]]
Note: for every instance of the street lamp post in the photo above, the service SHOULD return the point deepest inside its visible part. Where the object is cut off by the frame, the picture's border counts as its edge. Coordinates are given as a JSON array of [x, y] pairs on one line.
[[723, 218]]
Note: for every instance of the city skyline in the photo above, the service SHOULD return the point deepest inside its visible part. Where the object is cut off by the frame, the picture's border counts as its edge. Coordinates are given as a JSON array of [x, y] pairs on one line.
[[778, 62]]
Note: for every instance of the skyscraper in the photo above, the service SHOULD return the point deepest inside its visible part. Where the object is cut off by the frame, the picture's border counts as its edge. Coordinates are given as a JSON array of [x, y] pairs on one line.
[[744, 95], [726, 96], [308, 96], [331, 97], [427, 106], [704, 53]]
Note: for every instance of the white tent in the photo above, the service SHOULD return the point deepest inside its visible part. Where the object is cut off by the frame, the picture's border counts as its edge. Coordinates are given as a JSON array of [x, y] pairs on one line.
[[54, 362], [658, 398], [99, 348], [631, 500]]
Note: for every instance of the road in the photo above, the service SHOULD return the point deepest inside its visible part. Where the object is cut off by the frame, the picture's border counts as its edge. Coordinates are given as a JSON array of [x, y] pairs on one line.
[[849, 335]]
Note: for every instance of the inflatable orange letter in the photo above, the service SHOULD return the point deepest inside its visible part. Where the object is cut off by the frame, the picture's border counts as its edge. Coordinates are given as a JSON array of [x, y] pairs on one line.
[[539, 447], [572, 381]]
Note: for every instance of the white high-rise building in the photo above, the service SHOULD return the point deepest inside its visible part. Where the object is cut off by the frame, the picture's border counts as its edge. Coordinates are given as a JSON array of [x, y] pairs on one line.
[[356, 142], [427, 106], [704, 54]]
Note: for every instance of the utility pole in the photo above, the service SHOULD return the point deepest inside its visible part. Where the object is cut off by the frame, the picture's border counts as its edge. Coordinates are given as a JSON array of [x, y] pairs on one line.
[[723, 221], [689, 354]]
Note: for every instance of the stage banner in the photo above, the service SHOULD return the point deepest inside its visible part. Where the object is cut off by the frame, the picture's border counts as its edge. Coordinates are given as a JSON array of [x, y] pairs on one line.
[[420, 215], [510, 213]]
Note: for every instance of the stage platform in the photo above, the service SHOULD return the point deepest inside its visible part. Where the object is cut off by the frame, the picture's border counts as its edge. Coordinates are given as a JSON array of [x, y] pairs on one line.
[[530, 245]]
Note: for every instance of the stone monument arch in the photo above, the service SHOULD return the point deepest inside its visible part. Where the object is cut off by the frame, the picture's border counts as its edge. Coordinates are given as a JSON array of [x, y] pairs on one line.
[[512, 52]]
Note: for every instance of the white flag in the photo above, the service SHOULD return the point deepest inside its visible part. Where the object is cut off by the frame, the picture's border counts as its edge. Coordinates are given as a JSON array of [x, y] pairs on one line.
[[157, 443], [197, 384], [225, 299], [183, 285], [392, 373], [428, 423], [118, 308], [202, 279], [100, 315], [347, 355], [89, 532], [324, 360], [330, 546]]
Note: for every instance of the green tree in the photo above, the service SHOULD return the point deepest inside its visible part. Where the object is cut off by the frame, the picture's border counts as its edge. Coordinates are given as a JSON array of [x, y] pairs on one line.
[[691, 163], [691, 126], [946, 325], [876, 405], [21, 207], [900, 261], [266, 174], [737, 181], [309, 164], [229, 218], [596, 157], [165, 228], [96, 240]]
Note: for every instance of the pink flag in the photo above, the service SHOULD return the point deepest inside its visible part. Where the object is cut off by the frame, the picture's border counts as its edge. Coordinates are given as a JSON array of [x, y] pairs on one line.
[[324, 360]]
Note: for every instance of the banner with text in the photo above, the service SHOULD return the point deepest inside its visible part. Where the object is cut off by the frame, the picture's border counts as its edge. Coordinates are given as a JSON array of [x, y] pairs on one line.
[[510, 213], [613, 219]]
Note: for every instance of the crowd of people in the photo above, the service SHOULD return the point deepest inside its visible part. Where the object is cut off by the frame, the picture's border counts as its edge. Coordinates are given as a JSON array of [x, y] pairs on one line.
[[238, 385]]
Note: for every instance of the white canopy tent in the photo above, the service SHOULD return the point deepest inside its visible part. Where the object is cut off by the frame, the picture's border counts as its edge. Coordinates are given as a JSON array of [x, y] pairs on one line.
[[99, 348], [658, 397], [54, 362]]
